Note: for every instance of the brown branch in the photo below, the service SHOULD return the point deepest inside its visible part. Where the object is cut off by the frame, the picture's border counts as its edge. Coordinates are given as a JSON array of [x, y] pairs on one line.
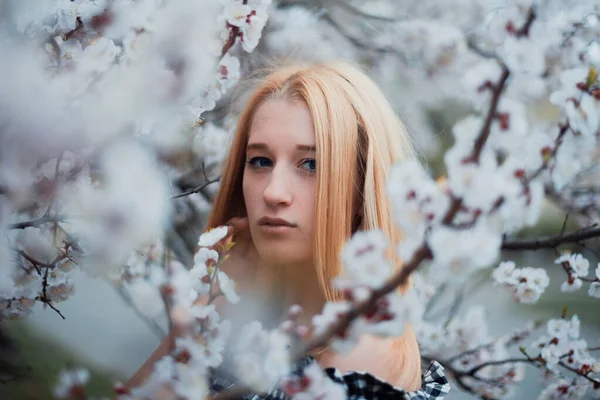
[[46, 218], [524, 31], [364, 45], [514, 338], [482, 138], [78, 27], [234, 32], [546, 162], [576, 371], [546, 242], [196, 189], [35, 263], [479, 367], [355, 10], [400, 278], [44, 297]]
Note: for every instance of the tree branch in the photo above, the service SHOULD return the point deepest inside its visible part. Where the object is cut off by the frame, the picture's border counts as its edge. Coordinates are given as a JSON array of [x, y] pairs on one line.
[[546, 242], [46, 218], [357, 11], [196, 189]]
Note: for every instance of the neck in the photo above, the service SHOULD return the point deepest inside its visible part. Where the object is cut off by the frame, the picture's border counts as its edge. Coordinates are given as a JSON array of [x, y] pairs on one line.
[[299, 285]]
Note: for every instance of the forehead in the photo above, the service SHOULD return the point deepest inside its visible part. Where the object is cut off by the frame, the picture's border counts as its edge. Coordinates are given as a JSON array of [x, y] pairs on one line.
[[282, 122]]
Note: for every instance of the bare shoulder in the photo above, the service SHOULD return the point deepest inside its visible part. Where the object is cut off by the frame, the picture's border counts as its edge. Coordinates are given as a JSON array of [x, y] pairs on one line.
[[372, 355]]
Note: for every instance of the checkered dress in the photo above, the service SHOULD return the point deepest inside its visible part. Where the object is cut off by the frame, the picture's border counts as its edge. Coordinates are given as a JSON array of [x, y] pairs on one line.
[[357, 385]]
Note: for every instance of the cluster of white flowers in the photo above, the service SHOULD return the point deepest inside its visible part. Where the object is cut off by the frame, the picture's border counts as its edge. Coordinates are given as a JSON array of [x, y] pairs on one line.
[[71, 383], [262, 357], [577, 268], [245, 19], [203, 334], [312, 384], [418, 202], [526, 284], [366, 268], [95, 195], [562, 347], [45, 273], [466, 343]]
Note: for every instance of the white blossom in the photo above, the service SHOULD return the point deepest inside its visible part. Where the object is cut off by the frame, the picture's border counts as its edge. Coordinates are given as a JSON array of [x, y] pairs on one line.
[[212, 237], [584, 117], [523, 55], [146, 297], [190, 384], [364, 259], [229, 72], [69, 379], [237, 13], [262, 357], [211, 143], [453, 256], [227, 287], [68, 11], [313, 384], [525, 284], [332, 312], [571, 285]]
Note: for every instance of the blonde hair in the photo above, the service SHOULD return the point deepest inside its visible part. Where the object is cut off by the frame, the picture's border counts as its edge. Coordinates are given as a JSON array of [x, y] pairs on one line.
[[354, 126]]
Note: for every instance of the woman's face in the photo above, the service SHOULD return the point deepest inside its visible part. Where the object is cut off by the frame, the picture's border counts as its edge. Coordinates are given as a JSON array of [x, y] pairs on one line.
[[279, 182]]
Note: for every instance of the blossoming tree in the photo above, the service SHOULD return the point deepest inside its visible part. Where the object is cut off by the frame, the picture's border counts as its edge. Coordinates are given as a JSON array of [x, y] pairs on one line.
[[115, 168]]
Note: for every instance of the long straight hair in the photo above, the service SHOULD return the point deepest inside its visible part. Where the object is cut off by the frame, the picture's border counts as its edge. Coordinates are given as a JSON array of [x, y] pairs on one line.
[[358, 137]]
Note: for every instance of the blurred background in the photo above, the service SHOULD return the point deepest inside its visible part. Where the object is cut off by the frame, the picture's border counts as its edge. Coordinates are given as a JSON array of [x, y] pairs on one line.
[[414, 51]]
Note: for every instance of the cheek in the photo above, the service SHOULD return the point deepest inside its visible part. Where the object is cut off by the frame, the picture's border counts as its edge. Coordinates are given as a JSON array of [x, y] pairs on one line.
[[308, 205], [249, 191]]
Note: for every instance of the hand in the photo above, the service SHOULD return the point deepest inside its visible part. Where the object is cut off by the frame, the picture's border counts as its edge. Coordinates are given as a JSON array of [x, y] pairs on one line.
[[242, 264]]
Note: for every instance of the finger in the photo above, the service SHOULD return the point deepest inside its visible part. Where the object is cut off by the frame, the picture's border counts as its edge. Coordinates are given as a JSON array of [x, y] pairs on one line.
[[238, 223], [240, 228]]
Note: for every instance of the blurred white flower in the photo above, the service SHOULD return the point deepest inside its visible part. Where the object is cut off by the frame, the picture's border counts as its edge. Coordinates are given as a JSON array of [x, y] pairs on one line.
[[523, 55], [212, 237], [145, 297], [227, 287], [346, 340], [364, 259], [70, 380]]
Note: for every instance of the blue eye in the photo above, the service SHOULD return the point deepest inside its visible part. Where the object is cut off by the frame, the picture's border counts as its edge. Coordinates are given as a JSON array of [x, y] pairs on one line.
[[310, 164], [259, 162]]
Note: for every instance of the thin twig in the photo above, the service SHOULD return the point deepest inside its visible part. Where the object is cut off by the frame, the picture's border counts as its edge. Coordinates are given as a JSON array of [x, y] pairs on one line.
[[150, 323], [557, 143], [564, 225], [196, 189], [44, 298], [355, 10]]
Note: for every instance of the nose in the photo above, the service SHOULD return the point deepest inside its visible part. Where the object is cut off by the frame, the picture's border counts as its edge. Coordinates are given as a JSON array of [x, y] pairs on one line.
[[277, 192]]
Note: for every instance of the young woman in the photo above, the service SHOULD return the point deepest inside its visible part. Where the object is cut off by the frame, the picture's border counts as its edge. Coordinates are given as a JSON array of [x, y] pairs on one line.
[[307, 168]]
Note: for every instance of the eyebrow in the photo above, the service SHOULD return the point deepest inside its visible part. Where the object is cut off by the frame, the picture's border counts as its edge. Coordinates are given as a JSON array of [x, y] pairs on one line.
[[263, 146]]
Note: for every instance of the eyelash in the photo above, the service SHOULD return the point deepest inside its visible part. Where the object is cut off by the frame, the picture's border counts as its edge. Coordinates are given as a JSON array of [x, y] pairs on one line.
[[252, 163]]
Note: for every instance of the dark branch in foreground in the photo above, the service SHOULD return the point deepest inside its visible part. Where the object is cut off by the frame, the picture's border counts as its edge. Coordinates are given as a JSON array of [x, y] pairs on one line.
[[36, 222], [548, 242]]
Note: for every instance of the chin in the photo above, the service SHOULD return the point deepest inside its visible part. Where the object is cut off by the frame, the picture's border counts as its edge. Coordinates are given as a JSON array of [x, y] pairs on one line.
[[280, 252]]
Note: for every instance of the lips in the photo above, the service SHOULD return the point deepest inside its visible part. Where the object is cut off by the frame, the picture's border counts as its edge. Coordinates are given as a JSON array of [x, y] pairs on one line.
[[268, 221]]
